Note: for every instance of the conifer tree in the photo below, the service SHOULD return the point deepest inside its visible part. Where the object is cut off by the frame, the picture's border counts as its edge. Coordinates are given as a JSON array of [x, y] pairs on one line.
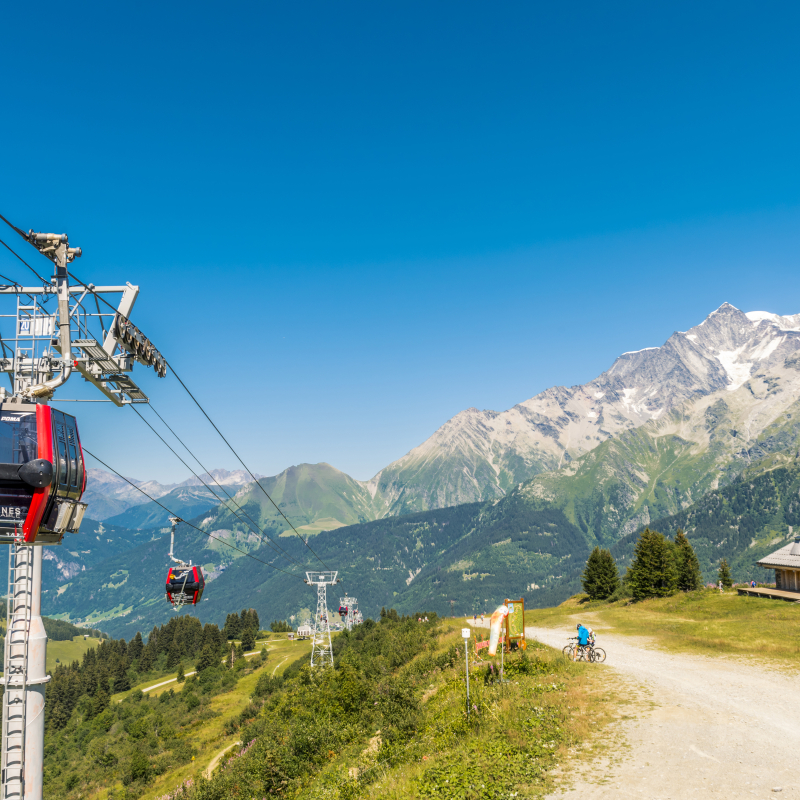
[[652, 572], [208, 658], [248, 639], [181, 676], [600, 578], [689, 576], [174, 656], [121, 680], [135, 647], [725, 574], [102, 697]]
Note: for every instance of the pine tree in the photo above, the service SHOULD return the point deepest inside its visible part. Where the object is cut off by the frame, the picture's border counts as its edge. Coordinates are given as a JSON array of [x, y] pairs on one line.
[[208, 658], [689, 576], [725, 574], [135, 647], [652, 572], [248, 639], [174, 656], [102, 697], [121, 680], [232, 626], [181, 676], [600, 578], [147, 659]]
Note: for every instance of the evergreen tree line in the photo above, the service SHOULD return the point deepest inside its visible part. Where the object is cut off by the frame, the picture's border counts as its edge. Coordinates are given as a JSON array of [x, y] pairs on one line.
[[244, 626], [115, 665], [660, 567]]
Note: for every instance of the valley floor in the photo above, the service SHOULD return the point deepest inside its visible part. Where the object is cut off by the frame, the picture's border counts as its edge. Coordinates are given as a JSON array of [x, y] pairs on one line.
[[698, 725]]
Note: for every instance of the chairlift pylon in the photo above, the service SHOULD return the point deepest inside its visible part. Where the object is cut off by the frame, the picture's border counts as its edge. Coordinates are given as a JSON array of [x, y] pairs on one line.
[[185, 582]]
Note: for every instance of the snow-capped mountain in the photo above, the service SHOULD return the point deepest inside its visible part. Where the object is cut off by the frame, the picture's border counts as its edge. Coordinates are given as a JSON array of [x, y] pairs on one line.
[[480, 455]]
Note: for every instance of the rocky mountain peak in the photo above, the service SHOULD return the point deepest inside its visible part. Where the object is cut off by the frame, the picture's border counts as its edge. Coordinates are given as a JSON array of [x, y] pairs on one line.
[[478, 455]]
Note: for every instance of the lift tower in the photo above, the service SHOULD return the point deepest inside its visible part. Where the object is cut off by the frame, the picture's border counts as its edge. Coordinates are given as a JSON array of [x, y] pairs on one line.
[[39, 354], [321, 647], [351, 604]]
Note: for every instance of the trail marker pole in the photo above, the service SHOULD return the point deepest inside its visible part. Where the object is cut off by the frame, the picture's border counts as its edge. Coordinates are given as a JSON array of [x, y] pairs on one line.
[[466, 633]]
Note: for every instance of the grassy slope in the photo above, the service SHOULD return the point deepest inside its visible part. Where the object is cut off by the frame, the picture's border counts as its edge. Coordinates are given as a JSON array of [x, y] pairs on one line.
[[67, 652], [211, 738], [517, 735]]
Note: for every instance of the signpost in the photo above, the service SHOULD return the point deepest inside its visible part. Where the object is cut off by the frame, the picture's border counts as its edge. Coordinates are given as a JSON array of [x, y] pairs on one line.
[[465, 635], [515, 622]]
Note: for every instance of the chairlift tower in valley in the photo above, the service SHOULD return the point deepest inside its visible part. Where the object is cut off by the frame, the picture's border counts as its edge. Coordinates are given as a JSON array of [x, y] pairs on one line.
[[42, 473], [321, 646]]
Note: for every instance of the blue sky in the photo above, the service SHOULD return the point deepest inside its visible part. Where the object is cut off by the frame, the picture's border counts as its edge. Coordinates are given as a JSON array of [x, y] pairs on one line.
[[351, 221]]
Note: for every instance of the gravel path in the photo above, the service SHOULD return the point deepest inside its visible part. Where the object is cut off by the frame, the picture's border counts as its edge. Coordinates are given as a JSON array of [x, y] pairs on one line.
[[702, 726]]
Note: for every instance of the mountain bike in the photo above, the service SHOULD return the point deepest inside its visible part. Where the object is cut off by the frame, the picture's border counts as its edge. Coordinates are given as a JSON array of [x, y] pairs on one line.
[[578, 652], [596, 654]]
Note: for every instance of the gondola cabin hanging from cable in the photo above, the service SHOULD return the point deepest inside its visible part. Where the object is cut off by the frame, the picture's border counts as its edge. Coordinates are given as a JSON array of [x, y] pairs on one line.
[[342, 611], [185, 582], [42, 474]]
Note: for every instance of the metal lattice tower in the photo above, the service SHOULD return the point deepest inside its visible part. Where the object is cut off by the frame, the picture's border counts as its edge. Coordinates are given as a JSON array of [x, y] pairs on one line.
[[321, 646], [46, 345]]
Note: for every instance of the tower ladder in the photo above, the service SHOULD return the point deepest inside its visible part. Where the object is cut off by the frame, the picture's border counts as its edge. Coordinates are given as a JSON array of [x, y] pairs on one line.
[[18, 625]]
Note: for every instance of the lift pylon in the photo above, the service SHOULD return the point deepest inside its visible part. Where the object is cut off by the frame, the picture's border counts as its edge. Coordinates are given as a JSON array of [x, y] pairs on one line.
[[44, 462], [321, 646]]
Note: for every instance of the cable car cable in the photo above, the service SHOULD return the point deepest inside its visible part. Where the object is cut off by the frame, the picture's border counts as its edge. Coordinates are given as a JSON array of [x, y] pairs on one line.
[[172, 513], [186, 389], [267, 541], [216, 496], [219, 432], [208, 472], [238, 457], [13, 252]]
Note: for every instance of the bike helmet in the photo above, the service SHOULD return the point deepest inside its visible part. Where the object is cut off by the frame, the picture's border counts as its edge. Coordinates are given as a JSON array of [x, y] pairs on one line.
[[578, 626]]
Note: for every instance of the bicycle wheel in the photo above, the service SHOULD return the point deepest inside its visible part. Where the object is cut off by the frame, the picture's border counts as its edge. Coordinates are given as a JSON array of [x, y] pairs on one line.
[[567, 651], [598, 655]]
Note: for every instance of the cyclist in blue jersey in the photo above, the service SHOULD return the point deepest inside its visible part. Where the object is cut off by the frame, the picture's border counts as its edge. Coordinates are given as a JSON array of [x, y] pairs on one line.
[[583, 639]]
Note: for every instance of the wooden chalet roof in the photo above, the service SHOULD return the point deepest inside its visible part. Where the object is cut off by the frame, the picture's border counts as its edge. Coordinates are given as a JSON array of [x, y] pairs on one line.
[[787, 557]]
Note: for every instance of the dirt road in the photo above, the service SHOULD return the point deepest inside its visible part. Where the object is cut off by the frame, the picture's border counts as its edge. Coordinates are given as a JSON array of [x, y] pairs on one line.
[[702, 727]]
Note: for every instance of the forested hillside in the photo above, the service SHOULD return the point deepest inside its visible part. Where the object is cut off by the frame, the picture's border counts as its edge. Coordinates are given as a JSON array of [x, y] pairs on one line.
[[740, 523]]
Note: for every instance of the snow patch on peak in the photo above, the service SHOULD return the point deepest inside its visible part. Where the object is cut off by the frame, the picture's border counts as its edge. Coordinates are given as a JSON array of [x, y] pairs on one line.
[[790, 323], [598, 395], [757, 316], [738, 372], [633, 352], [691, 336]]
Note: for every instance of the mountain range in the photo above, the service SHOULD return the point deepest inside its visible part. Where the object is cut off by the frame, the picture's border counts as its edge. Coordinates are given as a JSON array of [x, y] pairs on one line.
[[553, 476]]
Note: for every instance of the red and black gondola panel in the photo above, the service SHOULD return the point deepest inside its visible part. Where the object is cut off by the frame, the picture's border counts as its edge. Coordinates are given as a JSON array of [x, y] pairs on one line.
[[42, 474]]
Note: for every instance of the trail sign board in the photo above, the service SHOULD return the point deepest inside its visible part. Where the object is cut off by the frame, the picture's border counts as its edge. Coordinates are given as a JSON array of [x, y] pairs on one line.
[[515, 621]]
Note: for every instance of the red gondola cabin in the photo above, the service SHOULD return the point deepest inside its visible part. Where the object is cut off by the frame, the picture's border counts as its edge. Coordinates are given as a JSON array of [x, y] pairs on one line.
[[185, 585], [42, 474]]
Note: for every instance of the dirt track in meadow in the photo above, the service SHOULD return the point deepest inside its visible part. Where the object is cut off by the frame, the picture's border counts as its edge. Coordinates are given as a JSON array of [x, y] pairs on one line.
[[699, 726]]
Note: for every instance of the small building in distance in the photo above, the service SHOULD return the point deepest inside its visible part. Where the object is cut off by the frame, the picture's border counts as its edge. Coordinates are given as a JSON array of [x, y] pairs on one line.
[[304, 631], [786, 563]]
